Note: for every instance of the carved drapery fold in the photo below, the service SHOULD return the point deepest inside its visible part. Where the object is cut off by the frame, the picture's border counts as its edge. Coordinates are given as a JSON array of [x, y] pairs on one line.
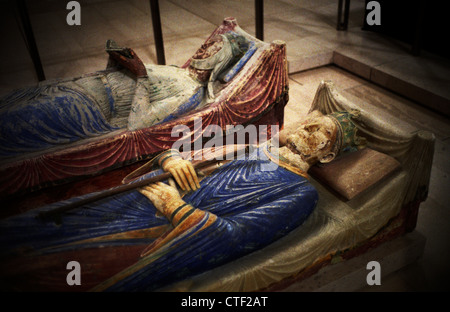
[[257, 95], [335, 226]]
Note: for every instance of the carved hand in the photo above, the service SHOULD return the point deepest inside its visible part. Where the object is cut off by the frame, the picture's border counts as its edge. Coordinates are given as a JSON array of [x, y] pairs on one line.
[[164, 197], [183, 172], [132, 63]]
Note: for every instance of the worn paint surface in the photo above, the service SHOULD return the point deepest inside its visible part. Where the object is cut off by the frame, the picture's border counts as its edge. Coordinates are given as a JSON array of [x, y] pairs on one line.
[[42, 117], [257, 94], [240, 209]]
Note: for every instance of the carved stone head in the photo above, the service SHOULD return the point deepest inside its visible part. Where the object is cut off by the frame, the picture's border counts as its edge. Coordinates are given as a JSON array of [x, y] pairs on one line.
[[216, 55], [202, 62], [320, 138], [314, 139]]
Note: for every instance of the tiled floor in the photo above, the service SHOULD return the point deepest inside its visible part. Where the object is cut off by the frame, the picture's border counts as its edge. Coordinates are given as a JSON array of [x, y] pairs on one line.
[[377, 69]]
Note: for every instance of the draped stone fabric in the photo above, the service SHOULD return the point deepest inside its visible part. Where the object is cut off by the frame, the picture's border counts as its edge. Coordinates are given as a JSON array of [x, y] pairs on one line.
[[239, 209], [256, 93], [335, 225], [331, 227]]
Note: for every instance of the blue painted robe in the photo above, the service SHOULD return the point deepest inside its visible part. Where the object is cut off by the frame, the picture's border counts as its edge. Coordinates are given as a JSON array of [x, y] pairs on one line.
[[37, 118], [245, 209]]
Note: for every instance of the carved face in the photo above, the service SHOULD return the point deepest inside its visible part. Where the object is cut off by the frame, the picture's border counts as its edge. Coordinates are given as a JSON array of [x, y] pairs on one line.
[[208, 49], [314, 139]]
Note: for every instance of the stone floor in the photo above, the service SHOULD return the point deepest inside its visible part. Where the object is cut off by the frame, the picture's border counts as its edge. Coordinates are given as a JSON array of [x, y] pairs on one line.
[[377, 69]]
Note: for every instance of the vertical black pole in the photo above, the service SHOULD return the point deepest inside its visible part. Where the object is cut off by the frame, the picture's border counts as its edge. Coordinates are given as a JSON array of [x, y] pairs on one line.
[[157, 32], [259, 19], [30, 40], [346, 13], [342, 23]]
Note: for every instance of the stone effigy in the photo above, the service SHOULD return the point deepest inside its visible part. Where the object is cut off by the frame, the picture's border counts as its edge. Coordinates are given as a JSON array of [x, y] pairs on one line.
[[37, 118], [340, 228], [242, 228], [235, 210], [61, 130]]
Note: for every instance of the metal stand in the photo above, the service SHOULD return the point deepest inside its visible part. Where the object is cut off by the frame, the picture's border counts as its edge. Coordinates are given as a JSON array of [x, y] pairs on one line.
[[157, 32], [30, 40], [259, 19], [342, 21]]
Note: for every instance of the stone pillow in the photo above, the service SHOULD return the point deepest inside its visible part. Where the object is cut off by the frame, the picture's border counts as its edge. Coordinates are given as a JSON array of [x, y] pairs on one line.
[[352, 174]]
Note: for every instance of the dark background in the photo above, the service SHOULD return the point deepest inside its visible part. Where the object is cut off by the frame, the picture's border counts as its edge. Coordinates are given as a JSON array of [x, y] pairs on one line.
[[423, 24]]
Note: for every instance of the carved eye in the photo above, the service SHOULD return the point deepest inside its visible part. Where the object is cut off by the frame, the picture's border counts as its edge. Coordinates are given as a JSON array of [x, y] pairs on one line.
[[321, 145], [293, 145], [311, 128]]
